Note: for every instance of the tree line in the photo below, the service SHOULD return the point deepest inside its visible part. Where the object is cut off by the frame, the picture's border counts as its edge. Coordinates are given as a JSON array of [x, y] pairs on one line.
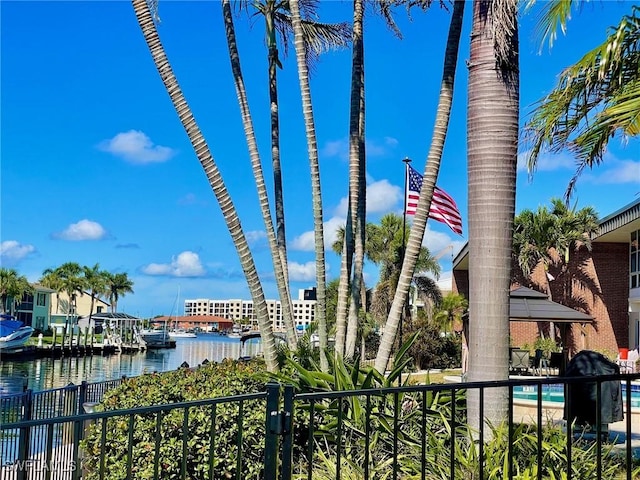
[[70, 278]]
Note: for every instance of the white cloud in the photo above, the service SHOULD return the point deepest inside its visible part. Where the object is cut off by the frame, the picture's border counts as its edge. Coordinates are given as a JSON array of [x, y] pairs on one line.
[[548, 162], [306, 241], [302, 272], [255, 236], [620, 171], [186, 264], [441, 244], [11, 252], [83, 230], [136, 147], [382, 197]]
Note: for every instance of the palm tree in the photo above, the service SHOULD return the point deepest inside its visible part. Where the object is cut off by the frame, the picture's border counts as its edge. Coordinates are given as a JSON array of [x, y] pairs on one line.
[[145, 20], [449, 311], [117, 285], [549, 237], [278, 260], [312, 147], [492, 144], [70, 274], [12, 287], [594, 100], [52, 280], [416, 235], [96, 283]]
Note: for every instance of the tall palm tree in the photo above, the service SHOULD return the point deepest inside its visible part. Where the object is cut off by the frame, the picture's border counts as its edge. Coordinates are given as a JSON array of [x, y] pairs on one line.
[[12, 287], [492, 147], [416, 235], [96, 283], [278, 260], [145, 20], [312, 147], [319, 37], [357, 174], [594, 100], [117, 285]]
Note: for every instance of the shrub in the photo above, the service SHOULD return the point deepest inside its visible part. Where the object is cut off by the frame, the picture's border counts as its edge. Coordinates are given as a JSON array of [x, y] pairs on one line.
[[204, 436]]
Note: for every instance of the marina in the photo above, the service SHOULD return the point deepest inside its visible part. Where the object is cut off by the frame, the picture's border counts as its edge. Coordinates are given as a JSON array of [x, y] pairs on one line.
[[42, 373]]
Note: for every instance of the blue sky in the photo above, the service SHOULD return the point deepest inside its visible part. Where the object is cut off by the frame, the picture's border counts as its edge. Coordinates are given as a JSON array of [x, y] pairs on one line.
[[96, 167]]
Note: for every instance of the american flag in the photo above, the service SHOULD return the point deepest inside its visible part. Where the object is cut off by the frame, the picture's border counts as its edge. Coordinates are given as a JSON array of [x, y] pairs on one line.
[[443, 207]]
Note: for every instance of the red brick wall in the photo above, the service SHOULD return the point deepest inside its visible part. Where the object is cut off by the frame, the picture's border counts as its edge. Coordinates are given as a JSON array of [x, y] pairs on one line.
[[596, 283]]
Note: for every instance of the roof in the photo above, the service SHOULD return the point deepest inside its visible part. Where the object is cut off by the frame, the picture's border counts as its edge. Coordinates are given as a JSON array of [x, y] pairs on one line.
[[121, 316], [527, 305]]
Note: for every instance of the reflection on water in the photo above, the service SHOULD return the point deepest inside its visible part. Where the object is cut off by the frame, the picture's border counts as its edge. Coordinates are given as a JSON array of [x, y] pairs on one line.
[[47, 373]]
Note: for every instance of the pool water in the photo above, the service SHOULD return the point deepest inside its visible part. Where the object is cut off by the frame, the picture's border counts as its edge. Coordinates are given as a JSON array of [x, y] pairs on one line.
[[555, 393]]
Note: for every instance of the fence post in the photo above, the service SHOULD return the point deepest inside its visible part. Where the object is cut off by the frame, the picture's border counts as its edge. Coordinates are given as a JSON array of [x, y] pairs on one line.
[[287, 433], [25, 433], [82, 396], [271, 440]]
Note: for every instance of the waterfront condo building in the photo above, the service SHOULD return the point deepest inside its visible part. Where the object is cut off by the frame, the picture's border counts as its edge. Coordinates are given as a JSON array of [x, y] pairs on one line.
[[241, 311]]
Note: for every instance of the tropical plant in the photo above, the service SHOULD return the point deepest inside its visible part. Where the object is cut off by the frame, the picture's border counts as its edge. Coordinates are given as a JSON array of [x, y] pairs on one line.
[[95, 281], [549, 236], [117, 285], [449, 311], [72, 283], [594, 100], [492, 144], [12, 287], [414, 243], [146, 23], [52, 280]]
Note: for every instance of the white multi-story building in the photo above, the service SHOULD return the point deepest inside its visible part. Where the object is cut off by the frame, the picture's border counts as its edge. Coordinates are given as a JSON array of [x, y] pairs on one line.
[[237, 310]]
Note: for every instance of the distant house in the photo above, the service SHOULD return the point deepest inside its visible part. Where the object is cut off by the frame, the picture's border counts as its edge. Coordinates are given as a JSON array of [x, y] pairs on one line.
[[611, 294], [62, 309], [34, 309]]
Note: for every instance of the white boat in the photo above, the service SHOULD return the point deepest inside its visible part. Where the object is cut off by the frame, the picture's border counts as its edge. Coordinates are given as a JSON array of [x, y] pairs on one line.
[[182, 334], [157, 338], [13, 333]]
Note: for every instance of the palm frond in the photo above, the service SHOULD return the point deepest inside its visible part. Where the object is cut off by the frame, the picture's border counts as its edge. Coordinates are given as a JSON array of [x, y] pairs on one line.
[[595, 99]]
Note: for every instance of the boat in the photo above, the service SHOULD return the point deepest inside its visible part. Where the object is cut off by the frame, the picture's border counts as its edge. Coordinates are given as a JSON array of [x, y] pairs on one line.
[[181, 334], [13, 333], [157, 338], [236, 332]]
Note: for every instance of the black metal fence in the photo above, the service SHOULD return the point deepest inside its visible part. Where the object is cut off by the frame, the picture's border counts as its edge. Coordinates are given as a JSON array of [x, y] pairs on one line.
[[410, 432]]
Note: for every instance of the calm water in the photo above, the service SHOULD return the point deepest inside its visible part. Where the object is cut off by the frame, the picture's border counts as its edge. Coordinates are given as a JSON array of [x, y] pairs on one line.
[[46, 373]]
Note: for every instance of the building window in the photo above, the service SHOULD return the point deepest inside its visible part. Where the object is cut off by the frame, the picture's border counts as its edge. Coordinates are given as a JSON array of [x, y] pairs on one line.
[[41, 300], [634, 260], [99, 309]]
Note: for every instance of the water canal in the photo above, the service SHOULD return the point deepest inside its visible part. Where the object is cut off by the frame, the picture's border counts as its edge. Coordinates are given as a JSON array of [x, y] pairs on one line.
[[48, 373]]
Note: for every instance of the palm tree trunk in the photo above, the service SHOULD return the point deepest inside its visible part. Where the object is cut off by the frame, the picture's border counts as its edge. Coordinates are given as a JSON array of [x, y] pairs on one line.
[[357, 173], [492, 143], [343, 287], [203, 153], [275, 142], [312, 146], [283, 290], [430, 176]]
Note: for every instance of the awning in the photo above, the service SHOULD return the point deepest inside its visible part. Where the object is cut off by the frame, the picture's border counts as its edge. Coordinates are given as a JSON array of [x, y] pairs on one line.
[[527, 305]]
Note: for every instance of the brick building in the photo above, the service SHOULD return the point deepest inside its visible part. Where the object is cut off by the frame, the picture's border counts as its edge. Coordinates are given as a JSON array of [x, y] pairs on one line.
[[603, 283]]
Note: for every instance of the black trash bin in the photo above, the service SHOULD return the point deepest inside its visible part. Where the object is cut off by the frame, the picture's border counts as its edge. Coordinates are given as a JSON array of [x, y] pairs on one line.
[[580, 403]]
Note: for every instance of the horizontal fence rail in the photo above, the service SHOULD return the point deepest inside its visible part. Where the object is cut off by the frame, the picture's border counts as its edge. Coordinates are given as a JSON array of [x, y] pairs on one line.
[[438, 431]]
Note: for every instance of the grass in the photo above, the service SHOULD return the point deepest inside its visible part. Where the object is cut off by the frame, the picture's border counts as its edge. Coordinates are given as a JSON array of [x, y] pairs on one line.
[[416, 378]]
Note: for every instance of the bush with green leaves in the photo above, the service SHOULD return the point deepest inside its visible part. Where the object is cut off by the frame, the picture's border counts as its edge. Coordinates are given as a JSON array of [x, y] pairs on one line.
[[209, 444], [433, 350]]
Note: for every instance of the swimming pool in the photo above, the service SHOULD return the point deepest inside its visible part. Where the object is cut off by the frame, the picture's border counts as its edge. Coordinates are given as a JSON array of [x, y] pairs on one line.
[[555, 393]]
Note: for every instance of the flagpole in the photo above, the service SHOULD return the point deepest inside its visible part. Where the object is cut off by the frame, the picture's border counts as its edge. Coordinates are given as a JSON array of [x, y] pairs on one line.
[[406, 162]]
